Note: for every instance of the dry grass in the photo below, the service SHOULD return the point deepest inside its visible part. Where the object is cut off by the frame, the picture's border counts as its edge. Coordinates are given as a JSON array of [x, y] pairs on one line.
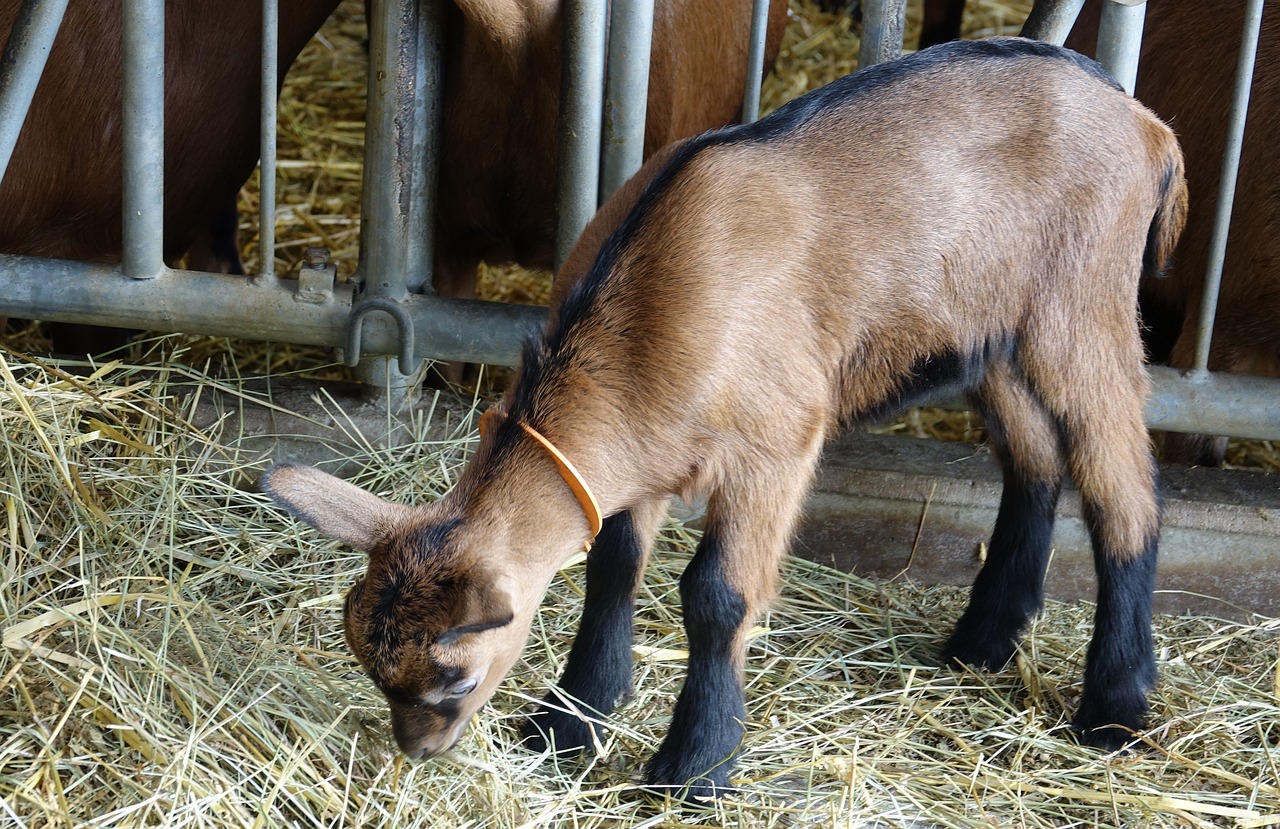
[[172, 656]]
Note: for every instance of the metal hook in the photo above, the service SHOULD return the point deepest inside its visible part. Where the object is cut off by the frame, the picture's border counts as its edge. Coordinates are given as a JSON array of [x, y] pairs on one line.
[[355, 325]]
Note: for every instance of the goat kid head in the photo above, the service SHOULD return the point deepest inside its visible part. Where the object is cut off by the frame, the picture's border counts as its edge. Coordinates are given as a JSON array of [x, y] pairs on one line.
[[435, 627]]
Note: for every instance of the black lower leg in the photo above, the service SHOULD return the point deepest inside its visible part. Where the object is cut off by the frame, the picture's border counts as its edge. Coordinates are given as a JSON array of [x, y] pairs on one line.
[[1121, 665], [1009, 589], [597, 674], [709, 719]]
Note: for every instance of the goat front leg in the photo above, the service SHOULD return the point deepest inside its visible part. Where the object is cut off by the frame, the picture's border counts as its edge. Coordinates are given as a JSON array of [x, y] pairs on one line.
[[730, 581], [597, 674]]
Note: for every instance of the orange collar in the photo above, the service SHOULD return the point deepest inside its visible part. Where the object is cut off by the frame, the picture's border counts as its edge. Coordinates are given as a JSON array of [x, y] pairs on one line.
[[570, 474]]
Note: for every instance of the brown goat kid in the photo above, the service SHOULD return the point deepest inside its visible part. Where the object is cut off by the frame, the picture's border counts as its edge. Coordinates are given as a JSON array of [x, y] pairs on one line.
[[749, 294]]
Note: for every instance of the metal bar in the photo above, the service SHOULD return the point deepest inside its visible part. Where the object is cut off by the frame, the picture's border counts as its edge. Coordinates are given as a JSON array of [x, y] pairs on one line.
[[388, 149], [1051, 20], [1120, 39], [755, 61], [205, 303], [267, 137], [581, 99], [21, 66], [626, 92], [1238, 405], [143, 122], [460, 330], [427, 101], [1227, 184], [883, 22]]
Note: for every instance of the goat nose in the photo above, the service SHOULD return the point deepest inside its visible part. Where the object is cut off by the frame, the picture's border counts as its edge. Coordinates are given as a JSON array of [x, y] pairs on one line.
[[415, 754]]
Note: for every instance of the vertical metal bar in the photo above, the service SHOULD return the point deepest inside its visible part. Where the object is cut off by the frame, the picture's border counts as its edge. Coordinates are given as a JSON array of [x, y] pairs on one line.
[[143, 121], [755, 61], [21, 66], [267, 136], [581, 109], [426, 146], [388, 148], [883, 22], [1051, 20], [1227, 184], [1120, 39], [626, 92]]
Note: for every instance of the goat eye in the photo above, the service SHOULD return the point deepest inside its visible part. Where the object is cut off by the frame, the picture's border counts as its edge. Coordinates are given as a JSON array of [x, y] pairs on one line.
[[462, 688]]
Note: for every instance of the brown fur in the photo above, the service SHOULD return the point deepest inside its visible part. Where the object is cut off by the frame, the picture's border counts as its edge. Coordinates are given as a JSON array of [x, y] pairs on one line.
[[502, 100], [62, 192], [1186, 75], [749, 292]]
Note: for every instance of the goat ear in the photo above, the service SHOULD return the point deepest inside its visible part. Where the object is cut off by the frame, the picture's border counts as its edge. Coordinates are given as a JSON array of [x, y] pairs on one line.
[[486, 607], [338, 509]]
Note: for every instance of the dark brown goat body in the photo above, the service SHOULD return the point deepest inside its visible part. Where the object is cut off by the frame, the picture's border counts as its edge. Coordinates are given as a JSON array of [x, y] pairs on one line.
[[61, 195], [502, 101], [746, 296]]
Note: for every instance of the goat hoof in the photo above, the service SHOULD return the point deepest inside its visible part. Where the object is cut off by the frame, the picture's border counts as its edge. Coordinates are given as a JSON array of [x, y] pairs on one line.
[[989, 654], [670, 778], [1109, 730], [557, 731]]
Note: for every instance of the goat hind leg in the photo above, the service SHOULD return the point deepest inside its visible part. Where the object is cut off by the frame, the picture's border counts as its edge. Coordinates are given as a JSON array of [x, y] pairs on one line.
[[1009, 589]]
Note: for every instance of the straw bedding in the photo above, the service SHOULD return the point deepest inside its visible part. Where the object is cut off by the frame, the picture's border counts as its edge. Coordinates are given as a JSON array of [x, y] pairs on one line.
[[173, 656], [172, 651]]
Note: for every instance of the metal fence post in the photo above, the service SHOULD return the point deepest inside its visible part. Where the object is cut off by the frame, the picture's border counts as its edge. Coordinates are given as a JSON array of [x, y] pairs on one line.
[[626, 92], [388, 174], [581, 109], [1227, 183], [883, 24], [143, 122], [755, 61], [267, 137], [1120, 39], [1051, 20]]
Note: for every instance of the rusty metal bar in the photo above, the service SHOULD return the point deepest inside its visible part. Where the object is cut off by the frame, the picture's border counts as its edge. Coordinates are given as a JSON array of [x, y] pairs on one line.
[[883, 23]]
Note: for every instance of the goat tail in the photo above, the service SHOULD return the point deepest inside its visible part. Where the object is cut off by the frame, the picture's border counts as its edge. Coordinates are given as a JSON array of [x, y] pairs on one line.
[[1170, 215]]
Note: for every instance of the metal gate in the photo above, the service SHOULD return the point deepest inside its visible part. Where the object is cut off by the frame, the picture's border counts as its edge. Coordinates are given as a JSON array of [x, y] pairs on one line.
[[388, 307]]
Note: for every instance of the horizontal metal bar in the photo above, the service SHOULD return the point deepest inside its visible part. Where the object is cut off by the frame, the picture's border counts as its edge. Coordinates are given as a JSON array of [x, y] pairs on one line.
[[1214, 404], [21, 66], [261, 308], [462, 330]]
